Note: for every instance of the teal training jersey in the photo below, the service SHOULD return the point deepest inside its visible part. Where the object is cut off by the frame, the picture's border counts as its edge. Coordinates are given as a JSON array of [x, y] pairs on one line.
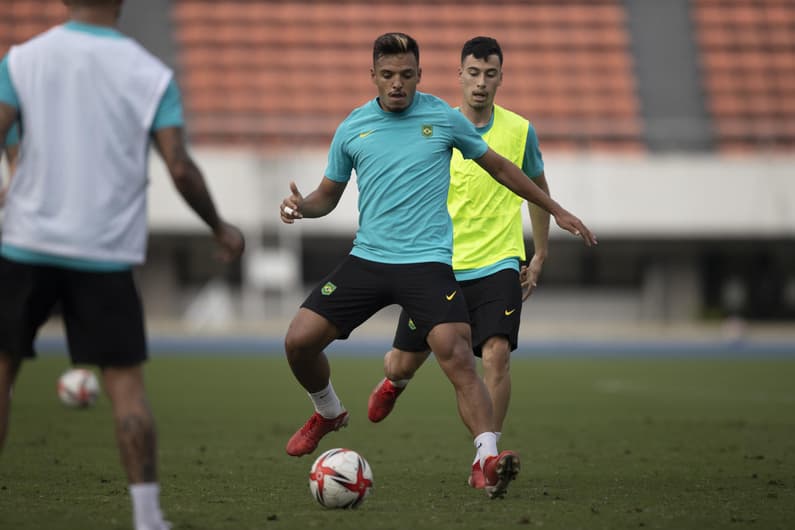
[[402, 165]]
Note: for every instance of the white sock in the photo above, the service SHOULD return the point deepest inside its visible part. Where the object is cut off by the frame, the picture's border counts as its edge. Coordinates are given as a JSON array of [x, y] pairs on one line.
[[146, 505], [326, 402], [399, 383], [486, 445], [477, 454]]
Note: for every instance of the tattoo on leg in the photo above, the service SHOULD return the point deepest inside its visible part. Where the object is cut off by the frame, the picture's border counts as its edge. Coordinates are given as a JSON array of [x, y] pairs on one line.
[[138, 445], [9, 368]]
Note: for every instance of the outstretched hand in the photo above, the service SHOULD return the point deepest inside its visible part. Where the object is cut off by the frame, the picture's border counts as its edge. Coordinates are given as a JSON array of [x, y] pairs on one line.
[[231, 242], [572, 224], [290, 209]]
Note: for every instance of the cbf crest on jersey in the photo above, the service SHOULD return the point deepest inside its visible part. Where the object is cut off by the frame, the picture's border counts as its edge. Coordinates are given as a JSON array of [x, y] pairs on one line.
[[328, 289], [427, 131]]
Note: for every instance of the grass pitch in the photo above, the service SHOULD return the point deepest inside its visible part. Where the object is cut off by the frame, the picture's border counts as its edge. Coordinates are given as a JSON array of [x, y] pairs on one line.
[[605, 443]]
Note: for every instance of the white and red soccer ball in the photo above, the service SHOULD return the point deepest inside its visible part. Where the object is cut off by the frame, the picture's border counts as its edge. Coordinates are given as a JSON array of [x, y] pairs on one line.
[[340, 478], [78, 387]]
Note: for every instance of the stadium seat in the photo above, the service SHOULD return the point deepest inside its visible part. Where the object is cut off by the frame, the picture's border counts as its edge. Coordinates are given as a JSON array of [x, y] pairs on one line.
[[241, 63], [286, 72], [23, 19], [748, 70]]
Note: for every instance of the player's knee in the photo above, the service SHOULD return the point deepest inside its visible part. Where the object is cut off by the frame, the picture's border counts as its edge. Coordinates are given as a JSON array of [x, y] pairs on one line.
[[292, 346], [459, 360], [124, 383], [295, 339], [299, 346], [496, 354], [307, 335], [400, 364]]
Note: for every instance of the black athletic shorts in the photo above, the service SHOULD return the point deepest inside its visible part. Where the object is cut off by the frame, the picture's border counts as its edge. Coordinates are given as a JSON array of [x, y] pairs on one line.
[[359, 288], [495, 309], [102, 312]]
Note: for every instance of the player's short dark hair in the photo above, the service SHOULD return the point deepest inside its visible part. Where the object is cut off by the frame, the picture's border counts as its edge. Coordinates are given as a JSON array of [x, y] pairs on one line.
[[394, 44], [481, 48]]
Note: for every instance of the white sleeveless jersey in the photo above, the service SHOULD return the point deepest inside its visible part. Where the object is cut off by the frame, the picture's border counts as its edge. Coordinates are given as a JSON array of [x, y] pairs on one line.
[[87, 104]]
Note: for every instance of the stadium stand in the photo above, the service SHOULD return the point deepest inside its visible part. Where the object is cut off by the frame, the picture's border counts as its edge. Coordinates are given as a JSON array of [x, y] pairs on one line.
[[680, 226], [748, 63], [287, 72], [272, 73], [23, 19]]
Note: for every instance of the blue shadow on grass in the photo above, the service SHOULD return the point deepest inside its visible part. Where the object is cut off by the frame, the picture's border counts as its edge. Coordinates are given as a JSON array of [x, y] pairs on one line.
[[254, 346]]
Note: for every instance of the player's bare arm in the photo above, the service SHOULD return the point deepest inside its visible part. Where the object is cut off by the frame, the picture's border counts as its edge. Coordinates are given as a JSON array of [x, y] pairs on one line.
[[317, 204], [510, 176], [11, 157], [190, 183], [8, 115], [540, 222]]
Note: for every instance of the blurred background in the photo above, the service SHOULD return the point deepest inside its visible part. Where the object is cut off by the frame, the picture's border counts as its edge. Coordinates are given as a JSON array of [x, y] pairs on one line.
[[668, 126]]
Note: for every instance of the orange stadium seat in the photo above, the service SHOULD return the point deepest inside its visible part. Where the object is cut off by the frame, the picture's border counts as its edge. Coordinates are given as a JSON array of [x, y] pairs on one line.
[[285, 73], [22, 19], [748, 70], [294, 69]]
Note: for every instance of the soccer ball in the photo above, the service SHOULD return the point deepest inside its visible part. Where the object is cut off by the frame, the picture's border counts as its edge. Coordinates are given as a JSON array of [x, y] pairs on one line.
[[340, 478], [78, 387]]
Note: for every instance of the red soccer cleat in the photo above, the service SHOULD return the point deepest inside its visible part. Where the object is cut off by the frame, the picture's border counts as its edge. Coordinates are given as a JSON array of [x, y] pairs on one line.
[[499, 471], [477, 479], [305, 440], [382, 400]]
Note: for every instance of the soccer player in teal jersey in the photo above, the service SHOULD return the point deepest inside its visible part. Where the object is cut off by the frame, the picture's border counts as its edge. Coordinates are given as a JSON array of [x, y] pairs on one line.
[[488, 244], [400, 145], [90, 100]]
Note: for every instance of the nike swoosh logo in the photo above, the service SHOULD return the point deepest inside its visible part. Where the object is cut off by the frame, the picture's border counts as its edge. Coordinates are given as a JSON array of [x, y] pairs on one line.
[[366, 134], [509, 313], [451, 295]]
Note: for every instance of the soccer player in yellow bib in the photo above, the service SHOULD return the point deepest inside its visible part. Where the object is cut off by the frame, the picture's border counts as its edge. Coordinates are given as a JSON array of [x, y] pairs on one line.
[[488, 244]]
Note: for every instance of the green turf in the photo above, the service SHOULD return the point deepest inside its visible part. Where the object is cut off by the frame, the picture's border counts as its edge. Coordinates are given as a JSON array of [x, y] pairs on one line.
[[605, 444]]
